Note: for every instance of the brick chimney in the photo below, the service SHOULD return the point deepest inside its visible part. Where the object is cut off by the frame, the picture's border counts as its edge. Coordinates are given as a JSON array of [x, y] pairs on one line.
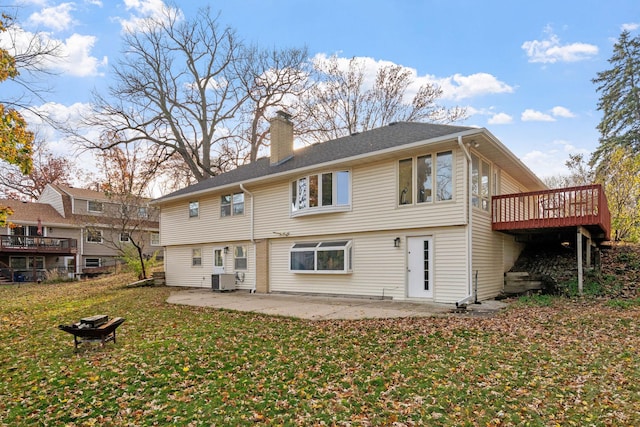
[[281, 138]]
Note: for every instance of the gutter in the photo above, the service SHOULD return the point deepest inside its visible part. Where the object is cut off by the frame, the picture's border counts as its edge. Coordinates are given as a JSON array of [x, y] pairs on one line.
[[469, 228], [251, 236], [331, 163]]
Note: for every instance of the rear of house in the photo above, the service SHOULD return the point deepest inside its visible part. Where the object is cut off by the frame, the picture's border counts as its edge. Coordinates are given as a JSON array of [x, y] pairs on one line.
[[400, 212]]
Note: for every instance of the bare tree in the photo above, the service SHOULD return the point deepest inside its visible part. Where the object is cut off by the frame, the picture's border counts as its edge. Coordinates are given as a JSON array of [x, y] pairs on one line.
[[47, 168], [126, 176], [343, 100], [580, 173], [271, 78], [183, 86]]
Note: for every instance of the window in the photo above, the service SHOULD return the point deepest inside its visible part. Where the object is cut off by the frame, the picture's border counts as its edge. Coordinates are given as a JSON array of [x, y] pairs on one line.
[[480, 183], [143, 212], [155, 239], [425, 179], [124, 237], [94, 236], [232, 204], [444, 176], [25, 230], [94, 206], [26, 263], [321, 257], [405, 181], [196, 257], [323, 192], [92, 262], [194, 209], [240, 257]]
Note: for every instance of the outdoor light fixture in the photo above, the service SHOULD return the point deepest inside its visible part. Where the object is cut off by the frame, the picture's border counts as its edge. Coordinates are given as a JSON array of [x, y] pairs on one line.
[[396, 242], [226, 249]]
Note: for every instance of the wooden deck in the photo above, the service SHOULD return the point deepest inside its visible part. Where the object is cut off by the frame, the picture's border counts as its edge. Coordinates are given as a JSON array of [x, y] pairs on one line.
[[36, 244], [564, 208]]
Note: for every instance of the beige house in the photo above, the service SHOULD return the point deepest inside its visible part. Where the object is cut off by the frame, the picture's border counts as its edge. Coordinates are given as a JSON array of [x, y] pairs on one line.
[[401, 212], [73, 231]]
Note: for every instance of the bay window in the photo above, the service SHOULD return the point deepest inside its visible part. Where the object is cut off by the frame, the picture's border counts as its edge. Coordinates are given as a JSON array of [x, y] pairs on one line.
[[329, 191], [321, 257]]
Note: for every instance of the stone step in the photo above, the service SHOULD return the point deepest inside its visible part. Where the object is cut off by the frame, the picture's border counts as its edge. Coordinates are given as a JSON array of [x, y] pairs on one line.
[[522, 286], [516, 274]]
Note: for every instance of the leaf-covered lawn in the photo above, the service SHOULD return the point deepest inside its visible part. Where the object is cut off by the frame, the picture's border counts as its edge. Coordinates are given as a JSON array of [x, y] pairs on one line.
[[570, 363]]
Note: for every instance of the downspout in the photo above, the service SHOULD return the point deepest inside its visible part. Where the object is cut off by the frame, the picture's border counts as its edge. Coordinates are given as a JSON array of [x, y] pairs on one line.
[[469, 228], [251, 237]]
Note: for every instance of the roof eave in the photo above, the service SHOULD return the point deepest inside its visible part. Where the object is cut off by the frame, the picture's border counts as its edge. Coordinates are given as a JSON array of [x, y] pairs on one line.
[[280, 175]]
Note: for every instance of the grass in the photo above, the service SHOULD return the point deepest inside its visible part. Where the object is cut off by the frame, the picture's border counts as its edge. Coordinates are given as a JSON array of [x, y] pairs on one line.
[[557, 363]]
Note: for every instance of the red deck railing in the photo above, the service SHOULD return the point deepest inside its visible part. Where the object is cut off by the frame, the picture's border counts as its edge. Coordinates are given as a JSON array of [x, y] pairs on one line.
[[565, 207], [33, 244]]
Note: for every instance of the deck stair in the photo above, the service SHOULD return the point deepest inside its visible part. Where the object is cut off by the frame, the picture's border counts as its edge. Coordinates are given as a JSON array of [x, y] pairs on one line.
[[517, 282]]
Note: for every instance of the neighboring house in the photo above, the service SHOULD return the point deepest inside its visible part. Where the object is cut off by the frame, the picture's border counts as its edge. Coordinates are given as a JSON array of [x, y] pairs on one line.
[[72, 231], [406, 211]]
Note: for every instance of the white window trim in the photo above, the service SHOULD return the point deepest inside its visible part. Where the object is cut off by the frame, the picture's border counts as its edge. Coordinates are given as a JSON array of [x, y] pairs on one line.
[[154, 242], [246, 257], [194, 258], [231, 205], [93, 241], [323, 209], [347, 247], [128, 237], [87, 259], [94, 210], [198, 209], [434, 180]]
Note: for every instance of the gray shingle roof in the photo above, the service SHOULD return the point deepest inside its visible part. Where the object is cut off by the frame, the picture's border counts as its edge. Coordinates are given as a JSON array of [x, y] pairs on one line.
[[378, 139]]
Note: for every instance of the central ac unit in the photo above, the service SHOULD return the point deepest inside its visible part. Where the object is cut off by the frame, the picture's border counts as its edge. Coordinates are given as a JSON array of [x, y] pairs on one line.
[[223, 282]]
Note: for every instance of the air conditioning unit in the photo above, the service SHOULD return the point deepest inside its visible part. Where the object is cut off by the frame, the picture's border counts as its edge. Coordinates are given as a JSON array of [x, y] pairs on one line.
[[223, 282]]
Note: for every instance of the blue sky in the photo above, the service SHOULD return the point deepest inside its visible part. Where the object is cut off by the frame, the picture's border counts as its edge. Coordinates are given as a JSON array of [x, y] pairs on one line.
[[523, 69]]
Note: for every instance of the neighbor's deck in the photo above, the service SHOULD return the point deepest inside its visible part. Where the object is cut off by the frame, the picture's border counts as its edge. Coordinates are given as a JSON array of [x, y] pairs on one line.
[[563, 208]]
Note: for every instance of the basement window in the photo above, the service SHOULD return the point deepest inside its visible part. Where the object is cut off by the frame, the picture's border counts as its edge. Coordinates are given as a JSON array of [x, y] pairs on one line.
[[321, 257]]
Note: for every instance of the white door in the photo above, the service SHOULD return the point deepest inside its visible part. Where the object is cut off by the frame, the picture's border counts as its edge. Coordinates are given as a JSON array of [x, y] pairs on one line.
[[218, 260], [420, 267], [70, 264]]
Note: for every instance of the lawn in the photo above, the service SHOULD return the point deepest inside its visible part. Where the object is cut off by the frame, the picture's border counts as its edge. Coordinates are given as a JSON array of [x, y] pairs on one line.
[[563, 362]]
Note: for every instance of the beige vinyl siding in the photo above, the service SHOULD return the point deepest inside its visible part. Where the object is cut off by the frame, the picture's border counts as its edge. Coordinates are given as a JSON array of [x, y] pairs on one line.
[[177, 228], [53, 198], [510, 251], [180, 272], [374, 206], [450, 271], [379, 269], [509, 185], [487, 256]]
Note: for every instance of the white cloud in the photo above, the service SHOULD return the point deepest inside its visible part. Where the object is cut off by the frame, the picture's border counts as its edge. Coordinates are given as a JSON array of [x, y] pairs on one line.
[[76, 57], [530, 115], [73, 56], [631, 26], [145, 11], [569, 148], [550, 50], [456, 87], [500, 119], [57, 18], [459, 87], [553, 161], [562, 112]]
